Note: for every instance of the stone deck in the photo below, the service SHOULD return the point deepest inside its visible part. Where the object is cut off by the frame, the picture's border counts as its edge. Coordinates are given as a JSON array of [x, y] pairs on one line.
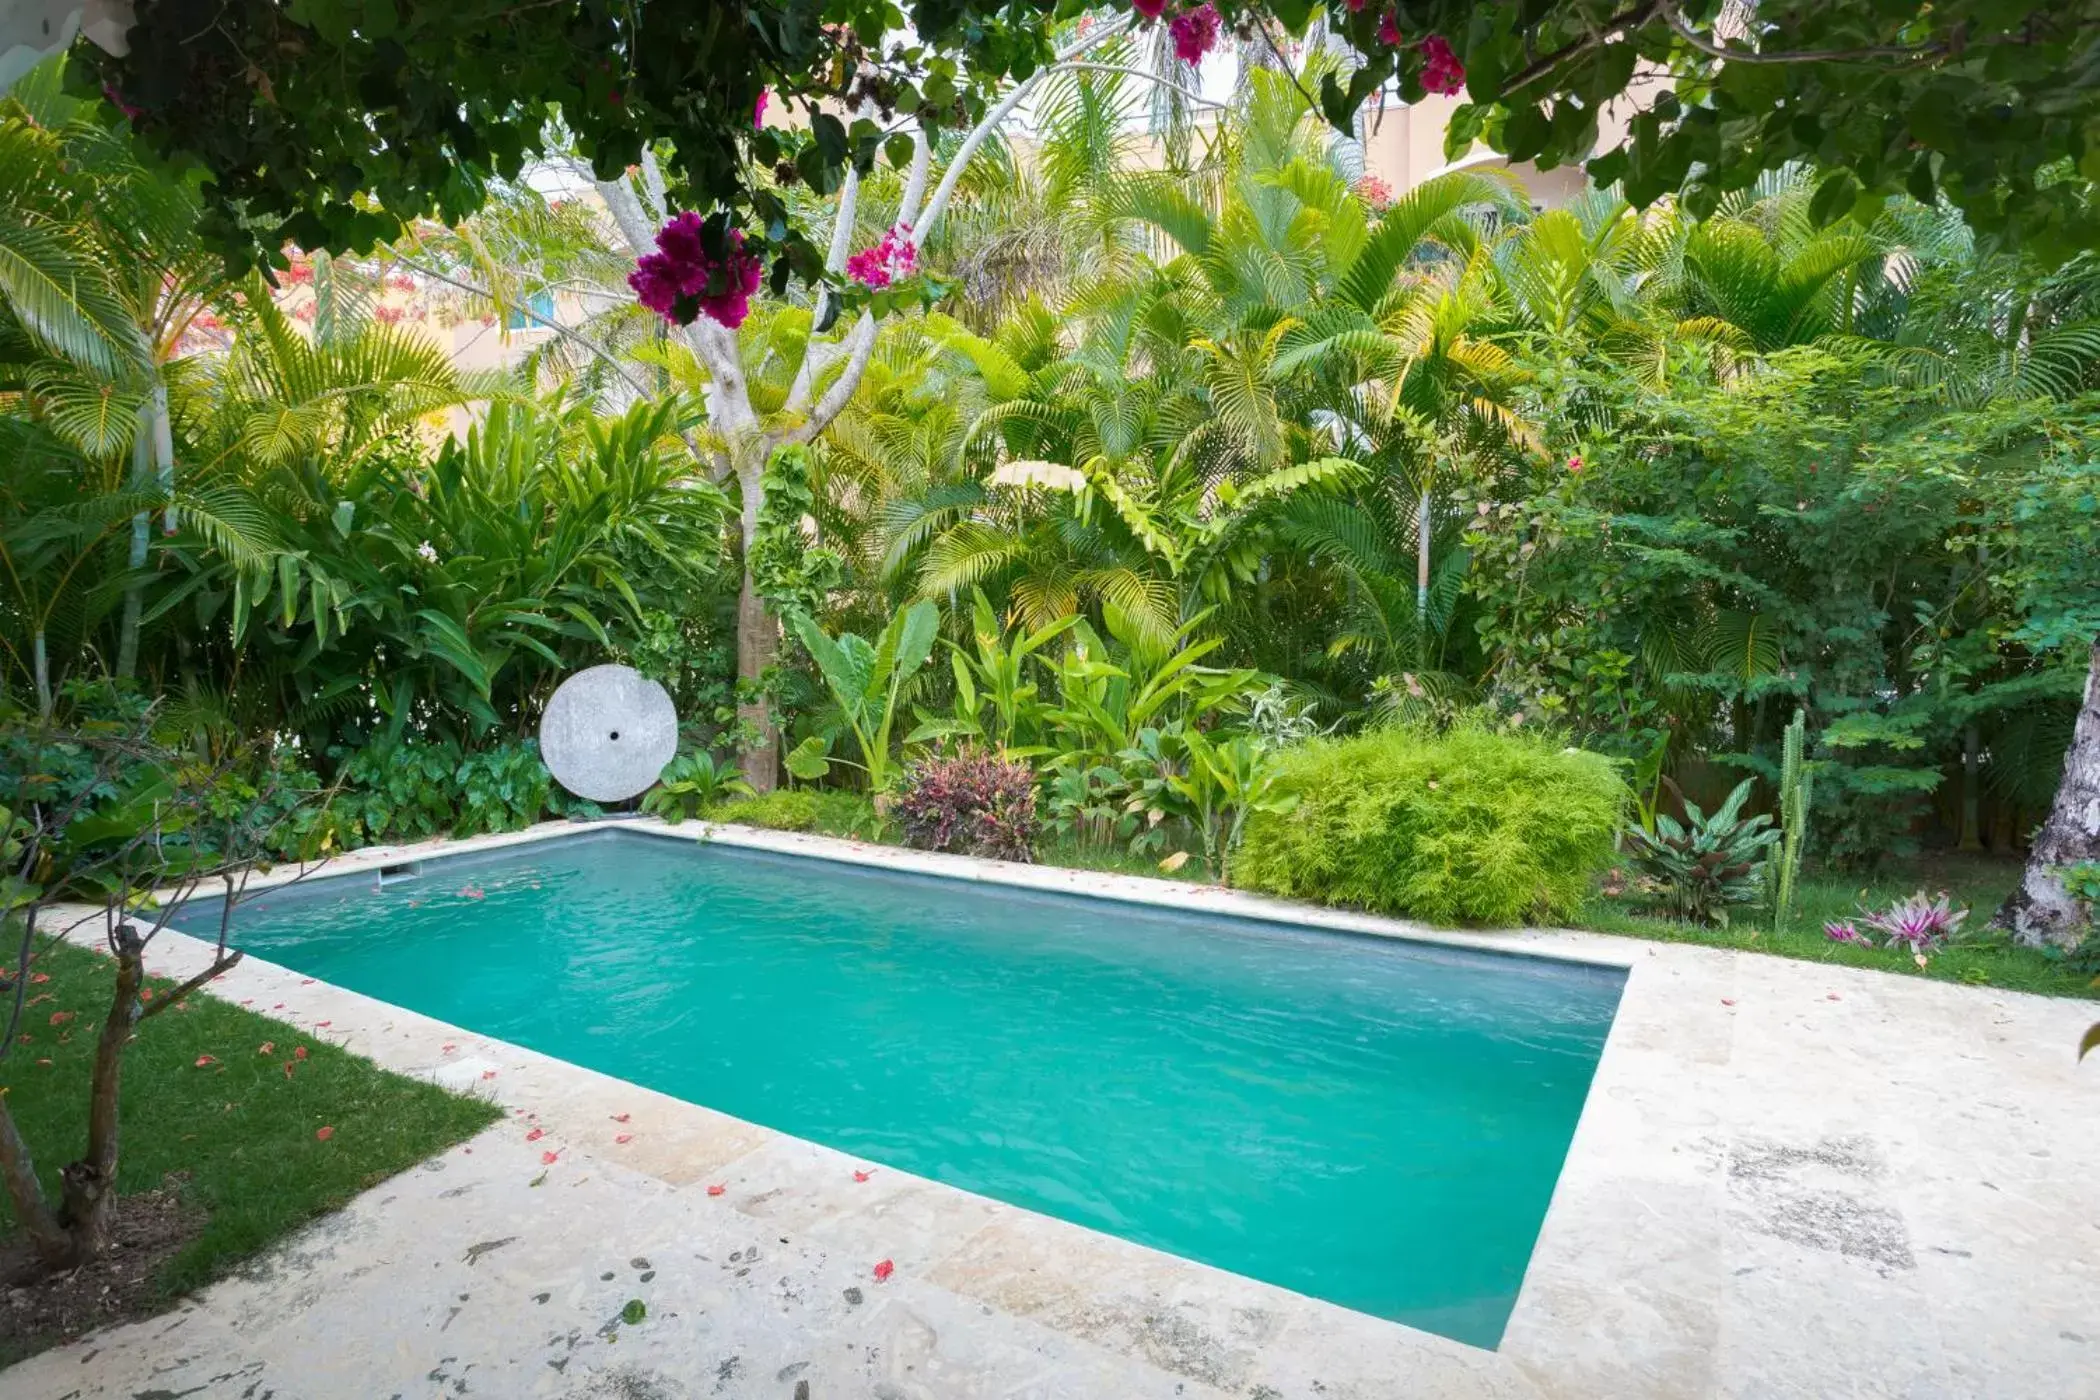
[[1789, 1180]]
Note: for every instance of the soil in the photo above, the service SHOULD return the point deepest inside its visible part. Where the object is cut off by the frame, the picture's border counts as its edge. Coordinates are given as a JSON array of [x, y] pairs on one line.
[[121, 1286]]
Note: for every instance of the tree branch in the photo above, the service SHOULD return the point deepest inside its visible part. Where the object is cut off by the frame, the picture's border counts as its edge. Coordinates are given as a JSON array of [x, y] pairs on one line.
[[1168, 83], [223, 963], [1711, 49], [641, 390]]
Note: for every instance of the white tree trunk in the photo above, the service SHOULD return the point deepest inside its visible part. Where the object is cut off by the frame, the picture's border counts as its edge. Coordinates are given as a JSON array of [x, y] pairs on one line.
[[2040, 910]]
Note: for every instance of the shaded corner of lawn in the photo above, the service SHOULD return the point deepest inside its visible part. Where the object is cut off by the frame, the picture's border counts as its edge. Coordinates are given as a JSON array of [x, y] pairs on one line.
[[257, 1126]]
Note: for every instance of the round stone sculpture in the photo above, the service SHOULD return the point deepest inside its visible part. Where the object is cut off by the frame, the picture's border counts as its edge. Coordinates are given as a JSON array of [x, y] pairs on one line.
[[608, 732]]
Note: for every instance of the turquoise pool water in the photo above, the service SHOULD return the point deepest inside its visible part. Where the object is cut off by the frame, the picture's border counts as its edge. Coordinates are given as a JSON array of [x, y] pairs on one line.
[[1374, 1123]]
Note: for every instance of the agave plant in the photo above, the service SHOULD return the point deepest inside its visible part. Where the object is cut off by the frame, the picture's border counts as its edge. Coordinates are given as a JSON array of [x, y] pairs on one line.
[[1700, 866]]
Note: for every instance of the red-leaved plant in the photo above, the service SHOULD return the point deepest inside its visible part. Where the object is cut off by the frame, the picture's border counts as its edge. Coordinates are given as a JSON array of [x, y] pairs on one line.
[[973, 803]]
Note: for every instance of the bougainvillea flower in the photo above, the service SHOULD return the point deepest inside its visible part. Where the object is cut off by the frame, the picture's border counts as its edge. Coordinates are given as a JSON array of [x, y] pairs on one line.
[[203, 1060], [37, 979], [884, 1270], [861, 1176], [1389, 30], [323, 1134], [758, 110], [1194, 32], [682, 280], [621, 1117], [548, 1159], [893, 259], [1150, 9], [535, 1135], [299, 1052], [716, 1190], [268, 1047], [1443, 73], [619, 1138]]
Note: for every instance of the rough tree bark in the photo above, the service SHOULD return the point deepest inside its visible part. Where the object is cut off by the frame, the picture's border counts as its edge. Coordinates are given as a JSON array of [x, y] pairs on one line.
[[2040, 910], [87, 1187]]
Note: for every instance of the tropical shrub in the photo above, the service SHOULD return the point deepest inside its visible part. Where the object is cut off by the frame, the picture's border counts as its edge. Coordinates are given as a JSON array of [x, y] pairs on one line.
[[825, 812], [395, 790], [1471, 826], [1696, 868], [866, 681], [692, 782], [972, 803]]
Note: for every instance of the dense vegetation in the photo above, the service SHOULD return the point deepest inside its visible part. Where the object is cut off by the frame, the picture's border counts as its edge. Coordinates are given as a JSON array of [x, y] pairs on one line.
[[1200, 450]]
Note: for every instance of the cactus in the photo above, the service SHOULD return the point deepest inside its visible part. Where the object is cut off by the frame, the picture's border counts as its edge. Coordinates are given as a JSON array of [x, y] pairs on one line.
[[1783, 869]]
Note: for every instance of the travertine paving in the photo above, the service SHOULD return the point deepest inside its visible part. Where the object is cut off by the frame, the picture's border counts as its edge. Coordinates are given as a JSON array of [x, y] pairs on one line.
[[1789, 1180]]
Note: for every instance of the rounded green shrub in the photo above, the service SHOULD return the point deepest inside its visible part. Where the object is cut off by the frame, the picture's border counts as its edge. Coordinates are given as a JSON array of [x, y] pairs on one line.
[[1474, 826]]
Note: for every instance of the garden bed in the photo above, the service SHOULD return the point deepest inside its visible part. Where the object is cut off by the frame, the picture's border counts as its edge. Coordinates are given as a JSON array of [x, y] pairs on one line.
[[237, 1129], [1979, 958]]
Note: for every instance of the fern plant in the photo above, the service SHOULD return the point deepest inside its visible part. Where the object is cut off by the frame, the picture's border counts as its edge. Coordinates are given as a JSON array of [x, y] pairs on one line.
[[1700, 866], [1796, 784]]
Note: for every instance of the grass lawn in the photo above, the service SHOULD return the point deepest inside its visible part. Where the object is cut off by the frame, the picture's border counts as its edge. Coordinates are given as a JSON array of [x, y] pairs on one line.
[[1979, 957], [233, 1140]]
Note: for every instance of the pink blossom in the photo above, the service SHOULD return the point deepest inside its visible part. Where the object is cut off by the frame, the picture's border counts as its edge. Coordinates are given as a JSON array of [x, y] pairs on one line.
[[1150, 9], [758, 113], [1574, 464], [896, 257], [1389, 30], [1443, 73], [1374, 191], [1195, 32], [1356, 7], [681, 279]]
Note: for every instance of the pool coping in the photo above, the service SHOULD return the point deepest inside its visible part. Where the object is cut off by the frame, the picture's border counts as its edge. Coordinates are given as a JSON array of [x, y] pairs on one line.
[[1627, 1290]]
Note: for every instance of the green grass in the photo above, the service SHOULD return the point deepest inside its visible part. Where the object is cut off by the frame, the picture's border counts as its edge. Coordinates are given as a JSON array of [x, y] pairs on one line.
[[236, 1134], [1978, 958]]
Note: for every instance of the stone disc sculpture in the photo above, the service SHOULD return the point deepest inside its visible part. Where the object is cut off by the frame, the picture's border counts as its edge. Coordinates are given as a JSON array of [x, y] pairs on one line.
[[608, 732]]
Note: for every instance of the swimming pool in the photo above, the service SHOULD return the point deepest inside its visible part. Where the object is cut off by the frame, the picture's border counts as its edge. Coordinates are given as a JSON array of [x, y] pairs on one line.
[[1372, 1122]]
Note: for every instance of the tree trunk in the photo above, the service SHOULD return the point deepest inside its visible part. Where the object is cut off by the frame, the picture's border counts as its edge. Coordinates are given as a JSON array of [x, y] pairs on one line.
[[53, 1248], [757, 649], [2040, 910], [87, 1207], [1422, 576], [1971, 791], [152, 463]]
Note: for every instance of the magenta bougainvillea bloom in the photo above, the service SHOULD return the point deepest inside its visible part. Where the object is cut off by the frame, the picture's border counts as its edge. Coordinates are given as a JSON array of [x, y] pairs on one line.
[[1150, 9], [893, 259], [681, 280], [1443, 74], [1356, 7], [758, 112], [1389, 30], [1195, 32]]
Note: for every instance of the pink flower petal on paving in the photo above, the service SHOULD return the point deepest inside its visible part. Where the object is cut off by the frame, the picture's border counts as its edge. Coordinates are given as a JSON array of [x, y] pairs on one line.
[[884, 1270], [548, 1159], [716, 1190], [621, 1117], [862, 1176], [619, 1138], [535, 1135]]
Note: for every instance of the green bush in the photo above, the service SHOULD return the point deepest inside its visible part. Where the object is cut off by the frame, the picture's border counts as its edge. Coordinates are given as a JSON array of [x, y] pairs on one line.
[[826, 812], [1472, 826]]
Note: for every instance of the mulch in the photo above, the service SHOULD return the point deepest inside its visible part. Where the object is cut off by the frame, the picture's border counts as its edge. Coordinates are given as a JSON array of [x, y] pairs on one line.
[[121, 1286]]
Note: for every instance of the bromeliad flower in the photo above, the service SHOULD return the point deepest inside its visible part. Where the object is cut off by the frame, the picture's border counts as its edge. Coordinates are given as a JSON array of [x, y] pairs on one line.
[[1917, 923], [1845, 931]]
